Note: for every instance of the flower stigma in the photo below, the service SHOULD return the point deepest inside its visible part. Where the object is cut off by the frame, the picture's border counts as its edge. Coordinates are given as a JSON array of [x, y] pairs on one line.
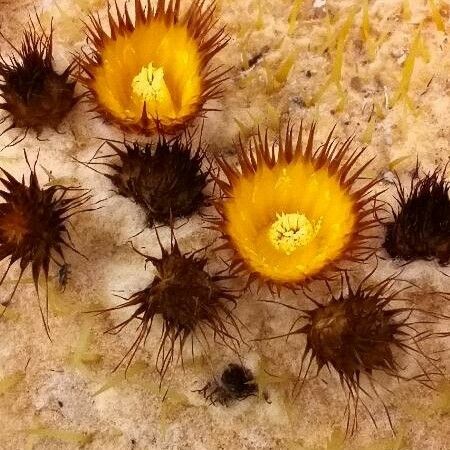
[[150, 86], [292, 231]]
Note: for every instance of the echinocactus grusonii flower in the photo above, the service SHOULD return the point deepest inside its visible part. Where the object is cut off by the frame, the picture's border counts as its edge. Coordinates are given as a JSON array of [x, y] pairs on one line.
[[291, 212], [362, 331], [153, 74], [236, 383], [190, 302], [35, 96], [420, 228], [34, 227], [168, 179]]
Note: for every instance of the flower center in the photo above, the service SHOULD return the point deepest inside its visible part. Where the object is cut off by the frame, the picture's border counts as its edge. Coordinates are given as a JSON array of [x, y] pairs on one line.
[[149, 84], [13, 227], [291, 231]]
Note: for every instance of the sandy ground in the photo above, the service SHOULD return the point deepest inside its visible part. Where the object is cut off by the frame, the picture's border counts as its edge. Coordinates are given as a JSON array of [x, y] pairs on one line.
[[63, 395]]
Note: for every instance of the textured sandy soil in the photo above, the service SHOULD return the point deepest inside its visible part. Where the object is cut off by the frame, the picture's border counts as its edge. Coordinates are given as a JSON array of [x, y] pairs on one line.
[[62, 394]]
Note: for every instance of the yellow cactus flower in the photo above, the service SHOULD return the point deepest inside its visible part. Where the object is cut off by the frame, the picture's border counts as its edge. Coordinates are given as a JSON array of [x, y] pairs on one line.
[[153, 74], [292, 211]]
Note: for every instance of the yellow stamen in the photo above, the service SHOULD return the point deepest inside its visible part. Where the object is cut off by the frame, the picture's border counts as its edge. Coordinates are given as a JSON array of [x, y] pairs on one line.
[[291, 231], [149, 84]]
